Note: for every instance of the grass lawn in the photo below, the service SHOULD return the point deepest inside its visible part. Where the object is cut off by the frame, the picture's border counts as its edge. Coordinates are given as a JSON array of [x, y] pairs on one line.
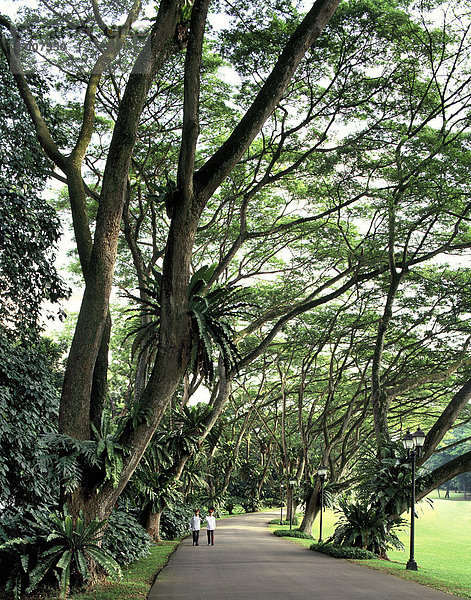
[[136, 580], [442, 546]]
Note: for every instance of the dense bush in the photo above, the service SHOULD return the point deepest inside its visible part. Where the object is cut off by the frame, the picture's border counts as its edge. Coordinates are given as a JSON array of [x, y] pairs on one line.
[[52, 548], [29, 404], [125, 538], [366, 526], [296, 533], [252, 504], [343, 551], [17, 557], [175, 522]]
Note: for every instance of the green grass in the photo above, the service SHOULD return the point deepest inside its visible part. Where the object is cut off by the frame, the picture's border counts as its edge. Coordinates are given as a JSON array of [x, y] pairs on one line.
[[137, 579], [442, 546]]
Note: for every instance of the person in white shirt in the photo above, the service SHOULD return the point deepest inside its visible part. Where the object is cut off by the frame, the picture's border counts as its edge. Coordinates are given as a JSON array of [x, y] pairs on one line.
[[210, 526], [195, 526]]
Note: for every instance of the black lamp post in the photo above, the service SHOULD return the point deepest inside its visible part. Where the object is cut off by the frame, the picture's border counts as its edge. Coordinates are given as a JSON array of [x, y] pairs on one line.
[[322, 472], [281, 503], [292, 483], [413, 442]]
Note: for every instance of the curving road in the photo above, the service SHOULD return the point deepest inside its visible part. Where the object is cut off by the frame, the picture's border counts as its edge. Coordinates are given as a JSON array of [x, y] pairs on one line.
[[249, 562]]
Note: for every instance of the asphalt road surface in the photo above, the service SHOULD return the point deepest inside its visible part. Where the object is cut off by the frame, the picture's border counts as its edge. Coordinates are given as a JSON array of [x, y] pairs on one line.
[[247, 562]]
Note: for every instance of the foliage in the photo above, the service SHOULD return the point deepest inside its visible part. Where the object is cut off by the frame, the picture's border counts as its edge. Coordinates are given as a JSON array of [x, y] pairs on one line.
[[175, 522], [19, 552], [183, 433], [384, 478], [29, 232], [210, 310], [231, 502], [215, 500], [296, 533], [124, 538], [343, 551], [29, 226], [154, 484], [137, 580], [22, 163], [305, 213], [29, 400], [57, 547], [109, 449], [246, 486], [366, 526], [69, 549], [69, 457]]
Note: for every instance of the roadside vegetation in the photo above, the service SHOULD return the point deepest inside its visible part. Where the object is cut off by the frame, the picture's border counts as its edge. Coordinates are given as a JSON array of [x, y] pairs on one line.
[[137, 577]]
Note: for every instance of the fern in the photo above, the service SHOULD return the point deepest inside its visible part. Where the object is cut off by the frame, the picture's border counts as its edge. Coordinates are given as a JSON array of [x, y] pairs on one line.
[[211, 310]]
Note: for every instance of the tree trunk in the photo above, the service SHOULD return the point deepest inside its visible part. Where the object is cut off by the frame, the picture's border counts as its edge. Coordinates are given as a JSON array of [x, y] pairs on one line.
[[152, 524], [379, 398], [312, 508]]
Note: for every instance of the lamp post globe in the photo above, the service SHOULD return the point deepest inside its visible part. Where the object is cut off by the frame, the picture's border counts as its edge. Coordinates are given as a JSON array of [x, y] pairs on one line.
[[419, 438], [408, 440]]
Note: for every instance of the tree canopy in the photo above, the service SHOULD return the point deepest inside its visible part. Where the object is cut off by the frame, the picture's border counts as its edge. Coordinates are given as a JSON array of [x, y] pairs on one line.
[[282, 201]]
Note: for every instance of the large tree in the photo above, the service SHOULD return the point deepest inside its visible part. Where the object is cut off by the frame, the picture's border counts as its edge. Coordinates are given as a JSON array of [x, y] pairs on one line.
[[170, 31]]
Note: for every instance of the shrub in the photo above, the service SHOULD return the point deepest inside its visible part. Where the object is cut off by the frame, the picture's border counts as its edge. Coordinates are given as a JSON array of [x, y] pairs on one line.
[[64, 549], [175, 522], [125, 538], [251, 504], [231, 503], [20, 545], [343, 551], [296, 533], [366, 526]]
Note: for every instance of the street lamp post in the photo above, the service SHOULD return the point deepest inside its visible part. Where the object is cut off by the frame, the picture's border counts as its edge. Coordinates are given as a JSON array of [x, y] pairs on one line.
[[413, 442], [322, 472], [281, 503], [292, 483]]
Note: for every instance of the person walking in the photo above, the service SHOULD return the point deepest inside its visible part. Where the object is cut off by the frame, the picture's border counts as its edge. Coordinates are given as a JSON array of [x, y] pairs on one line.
[[195, 526], [210, 526]]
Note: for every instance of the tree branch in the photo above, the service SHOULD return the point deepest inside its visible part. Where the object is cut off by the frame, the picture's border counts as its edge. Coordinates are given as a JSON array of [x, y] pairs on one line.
[[186, 160], [428, 483], [212, 174], [116, 41], [446, 420], [42, 130], [410, 384], [75, 403]]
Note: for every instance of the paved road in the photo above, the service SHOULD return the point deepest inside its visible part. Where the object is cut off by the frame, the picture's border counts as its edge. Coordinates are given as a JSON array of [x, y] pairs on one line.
[[248, 562]]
